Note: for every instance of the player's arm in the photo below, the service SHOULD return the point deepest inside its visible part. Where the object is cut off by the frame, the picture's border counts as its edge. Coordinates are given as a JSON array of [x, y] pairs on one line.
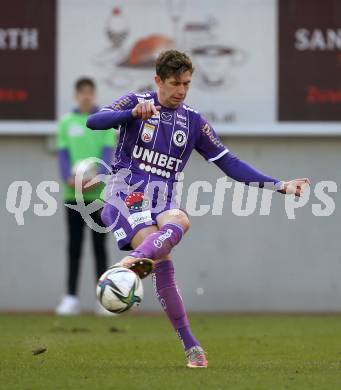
[[145, 110], [123, 110], [114, 115], [241, 171], [211, 148]]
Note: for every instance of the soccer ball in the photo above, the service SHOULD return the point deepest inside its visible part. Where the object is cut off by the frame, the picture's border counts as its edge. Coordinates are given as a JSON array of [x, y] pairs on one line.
[[119, 289]]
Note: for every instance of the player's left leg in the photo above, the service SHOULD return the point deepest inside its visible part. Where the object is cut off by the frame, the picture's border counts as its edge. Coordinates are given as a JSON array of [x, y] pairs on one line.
[[171, 301], [167, 291]]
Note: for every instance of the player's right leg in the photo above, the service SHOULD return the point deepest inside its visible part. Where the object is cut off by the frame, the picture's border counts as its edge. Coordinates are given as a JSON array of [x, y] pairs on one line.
[[136, 229], [169, 296], [141, 264], [142, 240], [130, 227], [157, 243]]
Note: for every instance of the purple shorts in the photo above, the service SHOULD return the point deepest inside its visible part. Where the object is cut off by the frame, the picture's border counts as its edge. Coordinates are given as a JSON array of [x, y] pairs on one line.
[[128, 212]]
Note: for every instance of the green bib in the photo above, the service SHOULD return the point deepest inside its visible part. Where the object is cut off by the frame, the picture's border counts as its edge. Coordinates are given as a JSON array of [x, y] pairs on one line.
[[82, 143]]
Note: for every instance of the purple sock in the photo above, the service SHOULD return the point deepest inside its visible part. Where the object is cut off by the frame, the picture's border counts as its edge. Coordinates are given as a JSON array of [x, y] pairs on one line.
[[171, 301], [158, 245]]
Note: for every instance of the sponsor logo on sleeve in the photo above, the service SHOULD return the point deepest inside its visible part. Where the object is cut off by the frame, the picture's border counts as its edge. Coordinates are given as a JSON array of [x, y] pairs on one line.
[[122, 103], [206, 129]]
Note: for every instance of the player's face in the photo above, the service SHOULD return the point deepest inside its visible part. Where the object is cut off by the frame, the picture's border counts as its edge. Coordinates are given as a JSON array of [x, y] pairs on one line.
[[173, 90], [85, 98]]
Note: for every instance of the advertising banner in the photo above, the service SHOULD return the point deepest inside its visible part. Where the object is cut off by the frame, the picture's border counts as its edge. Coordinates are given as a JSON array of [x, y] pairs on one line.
[[262, 67], [309, 60], [232, 44], [27, 58]]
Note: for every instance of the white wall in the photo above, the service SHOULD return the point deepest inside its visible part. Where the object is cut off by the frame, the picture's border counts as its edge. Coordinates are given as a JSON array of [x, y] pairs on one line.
[[242, 263]]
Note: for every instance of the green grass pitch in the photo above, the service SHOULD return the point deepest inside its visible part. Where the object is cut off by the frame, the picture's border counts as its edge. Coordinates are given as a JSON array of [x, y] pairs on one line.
[[142, 352]]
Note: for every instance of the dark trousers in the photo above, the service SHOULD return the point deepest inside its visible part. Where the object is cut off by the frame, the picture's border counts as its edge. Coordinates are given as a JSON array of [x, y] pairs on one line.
[[75, 230]]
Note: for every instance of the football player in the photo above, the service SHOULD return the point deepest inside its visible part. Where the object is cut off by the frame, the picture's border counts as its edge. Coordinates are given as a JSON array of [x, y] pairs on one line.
[[158, 133]]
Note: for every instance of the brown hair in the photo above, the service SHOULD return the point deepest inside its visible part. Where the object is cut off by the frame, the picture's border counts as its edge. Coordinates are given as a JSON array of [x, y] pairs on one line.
[[173, 63], [84, 82]]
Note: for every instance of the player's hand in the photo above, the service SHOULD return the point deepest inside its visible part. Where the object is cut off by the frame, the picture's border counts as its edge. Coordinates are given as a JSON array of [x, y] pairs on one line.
[[145, 110], [295, 186], [90, 184]]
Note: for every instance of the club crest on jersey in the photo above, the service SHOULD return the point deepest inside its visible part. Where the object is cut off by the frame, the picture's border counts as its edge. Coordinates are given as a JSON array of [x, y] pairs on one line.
[[147, 132], [137, 201], [179, 138]]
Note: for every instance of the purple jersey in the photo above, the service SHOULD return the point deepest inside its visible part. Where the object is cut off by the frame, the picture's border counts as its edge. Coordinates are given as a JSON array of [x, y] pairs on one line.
[[157, 149], [149, 157]]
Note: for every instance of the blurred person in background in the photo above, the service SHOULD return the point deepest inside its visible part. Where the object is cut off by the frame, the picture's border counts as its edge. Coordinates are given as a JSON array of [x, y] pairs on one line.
[[76, 143]]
